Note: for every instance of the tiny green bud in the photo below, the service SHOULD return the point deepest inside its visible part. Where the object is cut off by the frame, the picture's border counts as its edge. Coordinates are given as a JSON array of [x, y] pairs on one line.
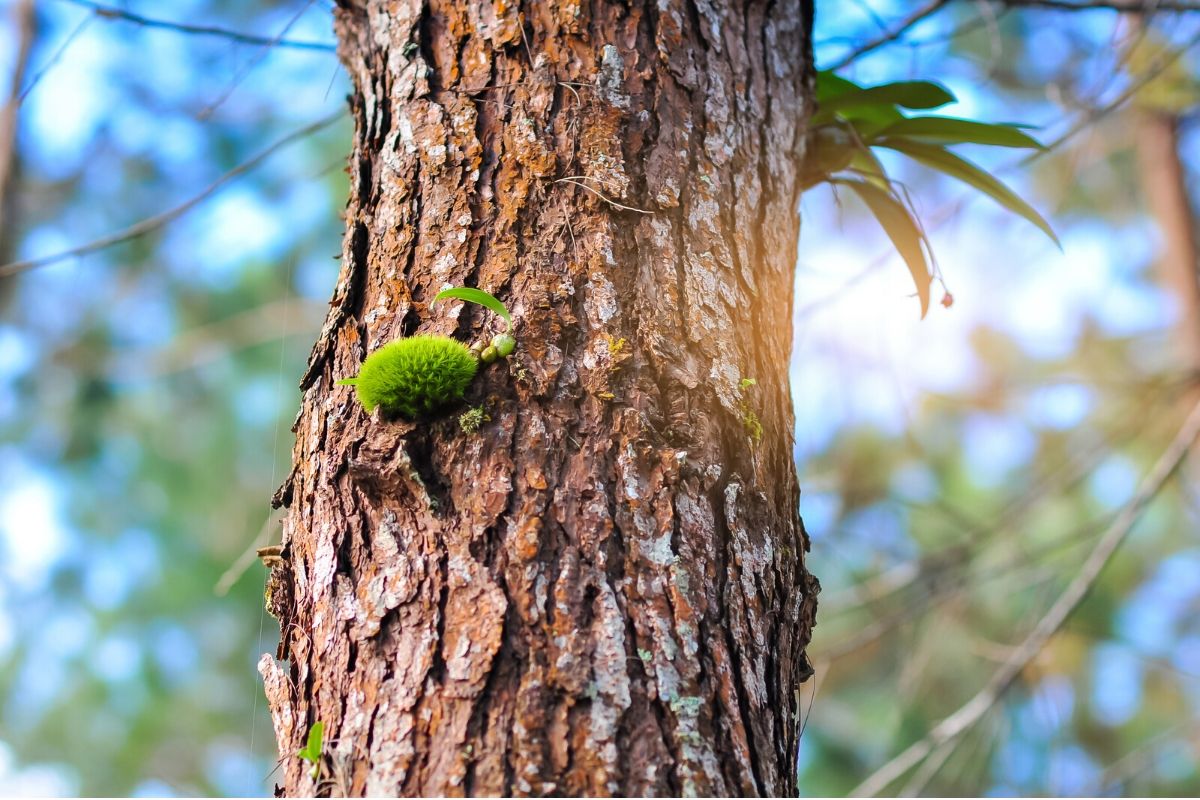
[[477, 348], [489, 354], [504, 344]]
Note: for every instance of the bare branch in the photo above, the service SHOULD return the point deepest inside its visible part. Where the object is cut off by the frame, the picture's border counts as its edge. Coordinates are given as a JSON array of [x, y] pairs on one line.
[[970, 713], [157, 221], [191, 349], [1124, 6], [1164, 61], [109, 12], [929, 9], [55, 56], [258, 56]]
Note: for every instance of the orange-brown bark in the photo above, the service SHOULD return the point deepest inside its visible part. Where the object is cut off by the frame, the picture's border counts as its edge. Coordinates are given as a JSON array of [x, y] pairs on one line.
[[603, 590]]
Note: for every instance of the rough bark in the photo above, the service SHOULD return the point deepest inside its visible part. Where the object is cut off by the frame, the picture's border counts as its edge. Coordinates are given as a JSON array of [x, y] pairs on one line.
[[603, 590]]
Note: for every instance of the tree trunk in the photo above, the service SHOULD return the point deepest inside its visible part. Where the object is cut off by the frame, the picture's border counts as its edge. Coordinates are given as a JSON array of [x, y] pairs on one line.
[[1164, 184], [602, 590]]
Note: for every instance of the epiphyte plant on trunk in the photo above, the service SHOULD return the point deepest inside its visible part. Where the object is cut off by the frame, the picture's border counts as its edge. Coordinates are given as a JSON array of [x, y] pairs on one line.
[[852, 119], [418, 375]]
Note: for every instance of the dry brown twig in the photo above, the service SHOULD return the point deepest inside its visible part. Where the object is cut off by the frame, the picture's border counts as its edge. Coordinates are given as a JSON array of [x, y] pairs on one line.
[[578, 180]]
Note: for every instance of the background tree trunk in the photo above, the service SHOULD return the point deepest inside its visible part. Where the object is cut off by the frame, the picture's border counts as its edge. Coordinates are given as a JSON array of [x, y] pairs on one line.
[[1164, 184], [602, 591]]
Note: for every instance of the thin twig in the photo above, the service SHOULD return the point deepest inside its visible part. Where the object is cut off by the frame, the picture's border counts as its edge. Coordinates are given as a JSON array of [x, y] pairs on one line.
[[970, 713], [198, 346], [262, 53], [931, 767], [54, 58], [892, 35], [1124, 97], [109, 12], [577, 180], [242, 563], [1124, 6], [158, 220]]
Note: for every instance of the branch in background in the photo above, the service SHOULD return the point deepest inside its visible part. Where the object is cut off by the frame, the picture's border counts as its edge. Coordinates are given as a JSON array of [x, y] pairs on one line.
[[159, 220], [1092, 117], [201, 345], [253, 62], [54, 58], [25, 24], [1165, 187], [1115, 777], [892, 35], [1125, 6], [108, 12], [969, 714]]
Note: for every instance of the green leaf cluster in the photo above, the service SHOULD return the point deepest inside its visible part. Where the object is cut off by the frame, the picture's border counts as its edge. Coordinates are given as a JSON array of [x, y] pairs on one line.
[[415, 375], [852, 120]]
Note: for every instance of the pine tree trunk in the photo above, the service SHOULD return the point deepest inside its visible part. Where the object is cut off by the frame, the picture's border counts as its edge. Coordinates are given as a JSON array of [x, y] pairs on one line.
[[602, 590]]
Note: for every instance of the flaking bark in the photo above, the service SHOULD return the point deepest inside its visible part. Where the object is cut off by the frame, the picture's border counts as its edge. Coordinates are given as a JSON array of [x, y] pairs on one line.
[[602, 591]]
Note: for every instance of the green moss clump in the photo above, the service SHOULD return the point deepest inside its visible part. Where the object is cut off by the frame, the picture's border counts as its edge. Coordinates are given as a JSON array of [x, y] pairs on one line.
[[415, 375]]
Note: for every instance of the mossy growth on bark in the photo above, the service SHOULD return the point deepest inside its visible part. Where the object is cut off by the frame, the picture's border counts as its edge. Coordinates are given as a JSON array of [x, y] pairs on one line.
[[414, 376]]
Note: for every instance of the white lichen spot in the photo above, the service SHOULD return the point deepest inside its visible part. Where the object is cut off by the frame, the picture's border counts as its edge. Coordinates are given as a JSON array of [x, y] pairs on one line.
[[602, 300], [441, 270], [406, 135], [611, 80], [436, 154]]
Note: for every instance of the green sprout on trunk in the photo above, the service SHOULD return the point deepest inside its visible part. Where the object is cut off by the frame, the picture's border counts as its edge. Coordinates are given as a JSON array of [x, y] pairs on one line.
[[312, 749], [418, 375]]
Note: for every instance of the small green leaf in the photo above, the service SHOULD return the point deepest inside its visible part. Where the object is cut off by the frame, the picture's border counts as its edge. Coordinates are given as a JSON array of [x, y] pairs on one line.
[[348, 382], [950, 130], [900, 227], [475, 296], [312, 750], [906, 94], [956, 167]]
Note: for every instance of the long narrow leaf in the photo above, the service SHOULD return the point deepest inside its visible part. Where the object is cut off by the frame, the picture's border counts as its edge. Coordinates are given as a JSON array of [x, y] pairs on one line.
[[901, 229], [907, 94], [475, 296], [865, 163], [869, 119], [949, 130], [956, 167], [830, 85]]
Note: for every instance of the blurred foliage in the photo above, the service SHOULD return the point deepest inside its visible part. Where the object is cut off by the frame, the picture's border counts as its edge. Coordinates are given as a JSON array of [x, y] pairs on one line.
[[950, 487], [945, 525]]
